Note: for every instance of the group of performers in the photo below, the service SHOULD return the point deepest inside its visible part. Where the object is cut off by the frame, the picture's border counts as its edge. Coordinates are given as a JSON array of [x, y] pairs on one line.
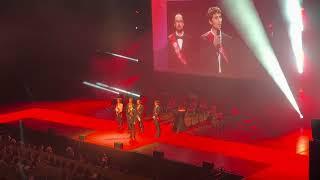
[[134, 114]]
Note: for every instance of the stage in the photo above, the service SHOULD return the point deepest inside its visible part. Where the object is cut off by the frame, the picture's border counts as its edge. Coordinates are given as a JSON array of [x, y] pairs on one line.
[[245, 147]]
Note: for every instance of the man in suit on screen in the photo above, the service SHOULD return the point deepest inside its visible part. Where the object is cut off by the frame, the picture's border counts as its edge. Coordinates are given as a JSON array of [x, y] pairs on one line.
[[213, 53], [179, 44]]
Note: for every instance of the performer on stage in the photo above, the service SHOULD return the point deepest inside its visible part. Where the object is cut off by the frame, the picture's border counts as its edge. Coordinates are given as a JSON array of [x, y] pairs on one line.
[[131, 113], [155, 117], [212, 52], [118, 110], [179, 45], [139, 112]]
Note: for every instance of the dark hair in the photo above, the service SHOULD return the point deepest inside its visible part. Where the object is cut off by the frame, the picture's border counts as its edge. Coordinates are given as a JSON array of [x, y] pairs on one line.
[[212, 11]]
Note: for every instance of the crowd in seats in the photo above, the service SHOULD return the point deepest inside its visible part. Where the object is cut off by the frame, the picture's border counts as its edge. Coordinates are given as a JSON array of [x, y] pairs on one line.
[[30, 162], [31, 155]]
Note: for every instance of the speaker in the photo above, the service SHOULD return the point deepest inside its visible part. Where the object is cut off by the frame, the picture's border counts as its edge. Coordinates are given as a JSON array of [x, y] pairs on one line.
[[207, 165], [315, 125], [158, 154], [118, 145], [314, 160]]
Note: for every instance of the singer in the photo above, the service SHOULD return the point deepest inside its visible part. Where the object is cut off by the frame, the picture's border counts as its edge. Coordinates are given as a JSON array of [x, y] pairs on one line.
[[213, 53], [118, 110]]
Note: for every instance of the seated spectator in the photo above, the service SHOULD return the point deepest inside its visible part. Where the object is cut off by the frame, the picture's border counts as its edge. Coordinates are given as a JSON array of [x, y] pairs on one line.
[[70, 153], [49, 149]]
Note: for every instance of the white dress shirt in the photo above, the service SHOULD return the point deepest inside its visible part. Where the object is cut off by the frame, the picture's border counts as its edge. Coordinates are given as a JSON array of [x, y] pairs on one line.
[[180, 41]]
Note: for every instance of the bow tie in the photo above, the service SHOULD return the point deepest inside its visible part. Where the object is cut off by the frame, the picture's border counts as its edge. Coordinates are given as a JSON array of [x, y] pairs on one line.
[[179, 37]]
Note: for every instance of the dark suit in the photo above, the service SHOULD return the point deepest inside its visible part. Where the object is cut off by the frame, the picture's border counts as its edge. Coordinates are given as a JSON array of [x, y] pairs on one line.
[[118, 111], [155, 117], [131, 113], [179, 58], [139, 115], [209, 52]]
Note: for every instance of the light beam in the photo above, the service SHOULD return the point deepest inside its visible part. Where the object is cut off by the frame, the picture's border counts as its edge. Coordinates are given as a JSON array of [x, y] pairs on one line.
[[117, 89], [292, 12], [244, 16], [99, 87], [121, 56]]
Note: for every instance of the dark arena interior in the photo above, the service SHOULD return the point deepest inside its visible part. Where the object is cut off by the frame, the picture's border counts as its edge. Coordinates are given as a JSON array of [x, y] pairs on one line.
[[159, 89]]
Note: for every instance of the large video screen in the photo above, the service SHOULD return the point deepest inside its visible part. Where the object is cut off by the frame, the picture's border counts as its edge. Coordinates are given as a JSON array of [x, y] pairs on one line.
[[195, 37]]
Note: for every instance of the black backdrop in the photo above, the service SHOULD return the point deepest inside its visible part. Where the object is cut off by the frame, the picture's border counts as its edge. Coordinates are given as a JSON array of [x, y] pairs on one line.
[[46, 46]]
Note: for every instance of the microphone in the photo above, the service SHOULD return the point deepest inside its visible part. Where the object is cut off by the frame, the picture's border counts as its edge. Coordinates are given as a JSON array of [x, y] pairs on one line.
[[221, 50]]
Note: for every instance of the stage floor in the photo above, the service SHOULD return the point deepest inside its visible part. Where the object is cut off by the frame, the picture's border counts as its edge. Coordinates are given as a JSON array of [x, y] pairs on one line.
[[248, 150]]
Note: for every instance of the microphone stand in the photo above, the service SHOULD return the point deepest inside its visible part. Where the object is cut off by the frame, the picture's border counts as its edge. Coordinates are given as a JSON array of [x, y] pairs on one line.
[[219, 52]]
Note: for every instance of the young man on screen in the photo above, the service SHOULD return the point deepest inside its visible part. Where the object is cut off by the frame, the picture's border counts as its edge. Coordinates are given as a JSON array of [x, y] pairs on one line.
[[211, 42], [179, 45]]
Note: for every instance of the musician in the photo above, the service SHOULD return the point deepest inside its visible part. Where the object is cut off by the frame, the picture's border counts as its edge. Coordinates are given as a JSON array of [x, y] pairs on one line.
[[155, 117], [131, 113], [179, 45], [215, 116], [211, 42], [139, 114], [118, 110]]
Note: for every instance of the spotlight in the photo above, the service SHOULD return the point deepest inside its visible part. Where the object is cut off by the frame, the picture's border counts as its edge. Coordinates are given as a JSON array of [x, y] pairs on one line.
[[98, 87], [293, 12], [251, 28], [121, 56], [118, 89]]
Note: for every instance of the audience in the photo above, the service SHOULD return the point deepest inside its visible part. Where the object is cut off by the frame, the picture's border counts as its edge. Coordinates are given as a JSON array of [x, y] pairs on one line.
[[20, 161]]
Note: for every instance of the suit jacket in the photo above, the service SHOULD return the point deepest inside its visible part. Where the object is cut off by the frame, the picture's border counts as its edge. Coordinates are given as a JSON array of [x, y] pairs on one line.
[[179, 58], [156, 111], [209, 52], [130, 112], [119, 108], [139, 110]]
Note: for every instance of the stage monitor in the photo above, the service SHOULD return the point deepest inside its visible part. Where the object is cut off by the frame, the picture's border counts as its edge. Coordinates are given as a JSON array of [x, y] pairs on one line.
[[315, 125]]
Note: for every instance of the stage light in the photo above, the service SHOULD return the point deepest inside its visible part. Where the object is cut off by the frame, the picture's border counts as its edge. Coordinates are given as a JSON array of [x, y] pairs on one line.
[[99, 87], [118, 89], [248, 23], [121, 56], [292, 12]]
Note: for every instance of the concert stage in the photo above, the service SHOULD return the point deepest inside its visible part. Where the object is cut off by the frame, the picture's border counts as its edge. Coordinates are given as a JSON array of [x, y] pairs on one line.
[[244, 148]]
